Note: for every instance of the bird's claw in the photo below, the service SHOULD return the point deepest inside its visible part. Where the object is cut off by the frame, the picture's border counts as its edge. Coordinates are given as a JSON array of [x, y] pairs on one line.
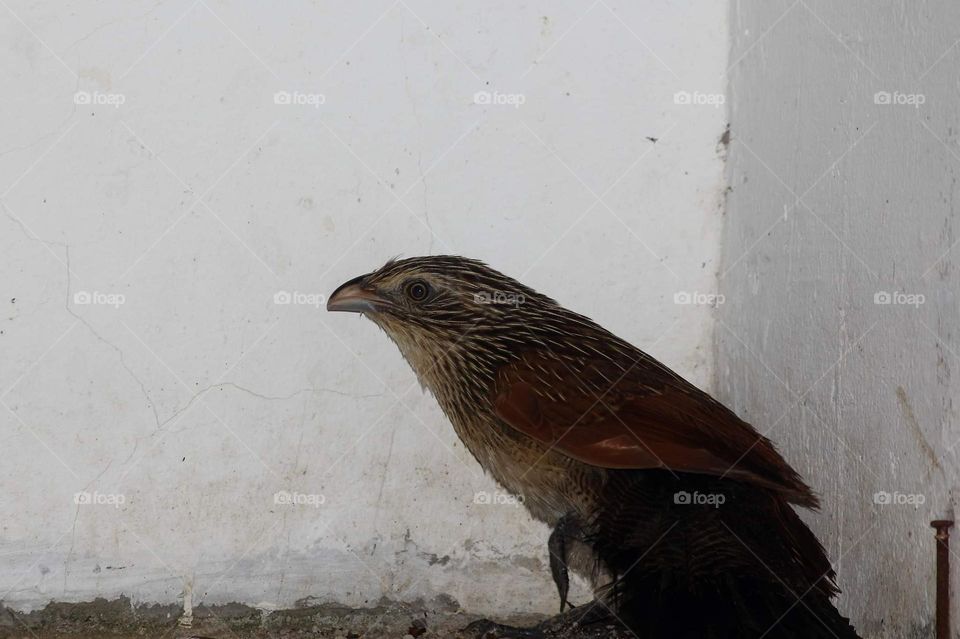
[[486, 629]]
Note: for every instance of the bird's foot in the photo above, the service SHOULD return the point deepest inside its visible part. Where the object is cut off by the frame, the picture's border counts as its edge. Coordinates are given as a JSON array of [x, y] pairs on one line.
[[589, 620], [566, 530], [486, 629]]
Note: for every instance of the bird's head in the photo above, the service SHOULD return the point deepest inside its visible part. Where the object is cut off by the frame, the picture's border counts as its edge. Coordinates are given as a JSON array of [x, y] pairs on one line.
[[442, 307]]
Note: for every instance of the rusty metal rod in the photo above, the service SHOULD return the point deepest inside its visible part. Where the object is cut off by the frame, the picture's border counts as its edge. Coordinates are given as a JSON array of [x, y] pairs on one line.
[[942, 527]]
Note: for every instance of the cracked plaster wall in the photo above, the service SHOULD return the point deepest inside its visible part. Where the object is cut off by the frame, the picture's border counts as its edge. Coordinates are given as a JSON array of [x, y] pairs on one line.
[[842, 198], [167, 168]]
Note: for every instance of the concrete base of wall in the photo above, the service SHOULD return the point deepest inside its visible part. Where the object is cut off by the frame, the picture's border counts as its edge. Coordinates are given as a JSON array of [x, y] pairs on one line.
[[120, 619]]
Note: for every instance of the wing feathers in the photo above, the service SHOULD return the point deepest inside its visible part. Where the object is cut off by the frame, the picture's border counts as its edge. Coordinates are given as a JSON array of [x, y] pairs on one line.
[[644, 417]]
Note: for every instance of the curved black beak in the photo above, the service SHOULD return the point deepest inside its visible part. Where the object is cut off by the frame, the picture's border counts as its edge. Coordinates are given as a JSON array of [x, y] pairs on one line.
[[354, 296]]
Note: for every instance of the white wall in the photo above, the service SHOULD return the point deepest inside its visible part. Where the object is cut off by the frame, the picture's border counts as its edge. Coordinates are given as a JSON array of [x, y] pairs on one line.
[[860, 395], [198, 198]]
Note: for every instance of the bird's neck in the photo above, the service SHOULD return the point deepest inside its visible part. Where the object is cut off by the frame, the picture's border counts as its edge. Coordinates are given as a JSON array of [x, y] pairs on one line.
[[455, 372]]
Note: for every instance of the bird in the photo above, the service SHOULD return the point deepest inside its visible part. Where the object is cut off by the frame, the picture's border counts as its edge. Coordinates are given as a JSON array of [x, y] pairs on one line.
[[681, 515]]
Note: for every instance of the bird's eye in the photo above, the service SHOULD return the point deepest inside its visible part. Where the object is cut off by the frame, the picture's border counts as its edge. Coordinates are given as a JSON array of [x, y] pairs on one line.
[[418, 290]]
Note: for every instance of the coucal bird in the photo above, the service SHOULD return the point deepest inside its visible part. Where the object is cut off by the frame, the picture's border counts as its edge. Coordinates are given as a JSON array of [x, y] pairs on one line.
[[680, 512]]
